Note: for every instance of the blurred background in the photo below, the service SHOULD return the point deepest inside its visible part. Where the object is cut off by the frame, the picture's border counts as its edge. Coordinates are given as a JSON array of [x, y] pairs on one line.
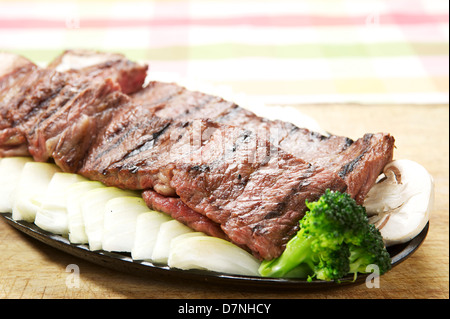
[[279, 51]]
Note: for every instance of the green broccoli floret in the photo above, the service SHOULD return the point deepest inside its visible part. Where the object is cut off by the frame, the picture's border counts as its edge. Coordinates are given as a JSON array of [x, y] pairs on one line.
[[370, 251], [335, 239]]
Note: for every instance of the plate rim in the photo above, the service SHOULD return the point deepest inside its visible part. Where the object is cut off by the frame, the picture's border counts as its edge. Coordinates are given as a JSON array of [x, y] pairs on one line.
[[124, 263]]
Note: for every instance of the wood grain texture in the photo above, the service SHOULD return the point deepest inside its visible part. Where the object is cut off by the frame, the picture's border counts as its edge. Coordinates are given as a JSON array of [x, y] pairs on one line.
[[30, 269]]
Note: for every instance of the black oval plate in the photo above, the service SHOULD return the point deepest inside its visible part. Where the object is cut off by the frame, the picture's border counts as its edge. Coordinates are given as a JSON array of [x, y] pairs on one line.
[[124, 262]]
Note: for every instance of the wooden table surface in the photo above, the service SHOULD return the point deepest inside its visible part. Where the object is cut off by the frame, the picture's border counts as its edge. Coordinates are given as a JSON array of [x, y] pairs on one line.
[[30, 269]]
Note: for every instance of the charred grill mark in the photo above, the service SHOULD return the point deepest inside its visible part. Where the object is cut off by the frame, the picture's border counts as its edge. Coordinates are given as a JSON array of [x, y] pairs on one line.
[[108, 64], [348, 142], [145, 146], [257, 229], [243, 138], [199, 168], [273, 214], [303, 182], [367, 137], [38, 107], [246, 135], [50, 111], [148, 144], [294, 130], [277, 212], [241, 143], [156, 135], [120, 135], [349, 167], [318, 136], [242, 181], [229, 115], [134, 167]]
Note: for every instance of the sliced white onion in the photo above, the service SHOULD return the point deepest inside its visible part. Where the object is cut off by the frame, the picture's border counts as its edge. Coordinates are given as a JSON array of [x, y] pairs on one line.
[[147, 229], [10, 172], [77, 233], [93, 205], [31, 189], [52, 214], [168, 231], [213, 254], [120, 222]]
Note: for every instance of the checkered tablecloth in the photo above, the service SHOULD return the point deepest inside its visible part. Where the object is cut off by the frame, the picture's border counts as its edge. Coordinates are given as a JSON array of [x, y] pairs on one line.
[[281, 51]]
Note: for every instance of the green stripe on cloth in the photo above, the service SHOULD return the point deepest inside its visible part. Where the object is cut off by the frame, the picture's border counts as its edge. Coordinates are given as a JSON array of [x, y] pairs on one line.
[[338, 86], [233, 50], [301, 51], [46, 55]]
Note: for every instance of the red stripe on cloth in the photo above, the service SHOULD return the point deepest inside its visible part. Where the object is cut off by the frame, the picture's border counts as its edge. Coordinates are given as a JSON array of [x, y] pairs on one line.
[[258, 21]]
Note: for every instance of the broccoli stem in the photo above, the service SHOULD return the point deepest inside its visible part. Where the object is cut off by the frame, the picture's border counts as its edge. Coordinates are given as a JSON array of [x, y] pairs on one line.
[[298, 251], [357, 261], [302, 271]]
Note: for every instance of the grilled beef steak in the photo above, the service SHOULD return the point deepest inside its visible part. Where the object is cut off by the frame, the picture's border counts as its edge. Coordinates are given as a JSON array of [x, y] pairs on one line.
[[255, 191], [358, 162], [209, 163], [30, 96], [92, 64], [15, 72]]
